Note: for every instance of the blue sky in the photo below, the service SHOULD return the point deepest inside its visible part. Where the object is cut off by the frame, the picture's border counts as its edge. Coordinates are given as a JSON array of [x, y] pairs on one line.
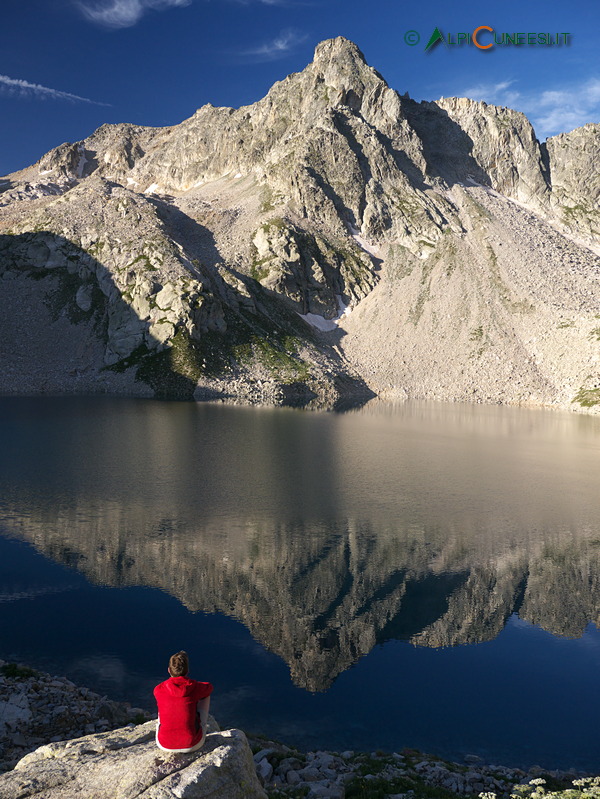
[[68, 66]]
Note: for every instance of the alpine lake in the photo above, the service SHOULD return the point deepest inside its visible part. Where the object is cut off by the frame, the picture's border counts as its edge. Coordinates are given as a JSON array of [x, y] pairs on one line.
[[417, 574]]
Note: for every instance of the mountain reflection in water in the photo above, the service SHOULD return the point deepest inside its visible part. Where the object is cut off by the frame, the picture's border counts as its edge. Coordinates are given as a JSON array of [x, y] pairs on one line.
[[324, 534]]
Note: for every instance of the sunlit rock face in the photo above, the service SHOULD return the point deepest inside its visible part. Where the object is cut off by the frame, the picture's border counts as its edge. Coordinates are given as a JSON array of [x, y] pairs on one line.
[[334, 238], [125, 763]]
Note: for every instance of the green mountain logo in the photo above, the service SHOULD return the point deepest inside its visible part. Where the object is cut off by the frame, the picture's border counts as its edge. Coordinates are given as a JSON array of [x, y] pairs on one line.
[[436, 36]]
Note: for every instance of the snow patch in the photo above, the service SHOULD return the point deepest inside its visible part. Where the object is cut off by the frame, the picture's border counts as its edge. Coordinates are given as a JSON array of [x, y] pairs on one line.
[[151, 189], [239, 175], [343, 309], [42, 172], [327, 325], [319, 321], [131, 182], [371, 249]]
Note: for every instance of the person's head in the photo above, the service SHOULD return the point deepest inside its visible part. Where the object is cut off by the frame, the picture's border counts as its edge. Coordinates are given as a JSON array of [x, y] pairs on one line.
[[179, 664]]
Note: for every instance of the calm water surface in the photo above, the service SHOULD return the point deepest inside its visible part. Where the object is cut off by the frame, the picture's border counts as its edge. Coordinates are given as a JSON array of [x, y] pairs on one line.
[[416, 575]]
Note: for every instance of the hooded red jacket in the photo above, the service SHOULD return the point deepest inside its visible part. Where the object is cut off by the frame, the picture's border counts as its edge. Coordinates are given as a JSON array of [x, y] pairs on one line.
[[179, 720]]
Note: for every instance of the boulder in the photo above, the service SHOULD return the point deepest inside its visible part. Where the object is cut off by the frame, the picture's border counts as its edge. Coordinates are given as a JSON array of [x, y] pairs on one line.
[[126, 763]]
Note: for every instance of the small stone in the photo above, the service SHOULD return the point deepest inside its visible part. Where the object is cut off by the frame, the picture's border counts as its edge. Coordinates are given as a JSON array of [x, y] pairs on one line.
[[473, 776], [329, 773], [473, 759], [287, 764], [326, 790], [292, 777], [310, 774], [264, 770], [262, 754]]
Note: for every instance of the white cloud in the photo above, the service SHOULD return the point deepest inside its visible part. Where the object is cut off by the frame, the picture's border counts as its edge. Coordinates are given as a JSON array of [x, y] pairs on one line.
[[278, 47], [23, 88], [492, 93], [552, 111], [125, 13]]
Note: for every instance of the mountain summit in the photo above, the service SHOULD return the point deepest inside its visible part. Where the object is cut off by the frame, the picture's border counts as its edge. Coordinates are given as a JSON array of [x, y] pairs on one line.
[[333, 239]]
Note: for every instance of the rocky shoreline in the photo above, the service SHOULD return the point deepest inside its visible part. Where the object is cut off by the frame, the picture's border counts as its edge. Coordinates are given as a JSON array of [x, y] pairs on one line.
[[407, 774], [38, 709]]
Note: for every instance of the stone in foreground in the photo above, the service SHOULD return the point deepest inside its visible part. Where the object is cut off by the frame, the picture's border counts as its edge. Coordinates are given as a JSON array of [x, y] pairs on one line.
[[126, 763]]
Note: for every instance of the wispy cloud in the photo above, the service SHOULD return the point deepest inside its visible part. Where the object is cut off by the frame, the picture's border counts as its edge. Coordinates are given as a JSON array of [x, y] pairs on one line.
[[23, 88], [124, 13], [278, 47], [492, 93], [552, 111]]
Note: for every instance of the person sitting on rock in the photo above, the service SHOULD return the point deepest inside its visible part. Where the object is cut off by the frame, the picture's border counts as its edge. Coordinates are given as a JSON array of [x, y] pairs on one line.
[[182, 708]]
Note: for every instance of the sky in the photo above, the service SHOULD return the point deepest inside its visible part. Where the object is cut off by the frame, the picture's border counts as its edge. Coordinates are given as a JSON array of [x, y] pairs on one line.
[[69, 66]]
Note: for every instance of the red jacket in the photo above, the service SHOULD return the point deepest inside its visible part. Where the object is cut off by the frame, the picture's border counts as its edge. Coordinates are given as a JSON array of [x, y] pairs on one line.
[[177, 700]]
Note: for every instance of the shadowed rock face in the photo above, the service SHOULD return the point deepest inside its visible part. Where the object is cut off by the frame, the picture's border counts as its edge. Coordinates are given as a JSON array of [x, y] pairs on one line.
[[331, 194]]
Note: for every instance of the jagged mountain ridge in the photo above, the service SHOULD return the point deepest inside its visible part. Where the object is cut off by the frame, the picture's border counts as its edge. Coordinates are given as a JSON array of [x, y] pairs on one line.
[[332, 193]]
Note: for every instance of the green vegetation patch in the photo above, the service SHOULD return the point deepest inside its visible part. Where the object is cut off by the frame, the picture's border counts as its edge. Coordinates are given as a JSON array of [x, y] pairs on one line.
[[16, 672], [269, 199], [61, 297], [173, 373], [247, 343], [143, 262], [587, 397], [278, 357], [258, 270], [381, 788], [288, 793]]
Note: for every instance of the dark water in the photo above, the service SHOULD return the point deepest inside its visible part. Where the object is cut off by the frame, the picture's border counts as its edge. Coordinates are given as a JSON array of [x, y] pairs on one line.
[[420, 575]]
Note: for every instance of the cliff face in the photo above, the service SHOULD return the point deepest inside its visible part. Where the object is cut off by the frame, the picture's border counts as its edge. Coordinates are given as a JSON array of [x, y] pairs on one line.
[[218, 255]]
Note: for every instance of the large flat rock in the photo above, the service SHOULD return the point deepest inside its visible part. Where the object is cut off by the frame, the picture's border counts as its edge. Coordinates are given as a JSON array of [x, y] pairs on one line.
[[126, 763]]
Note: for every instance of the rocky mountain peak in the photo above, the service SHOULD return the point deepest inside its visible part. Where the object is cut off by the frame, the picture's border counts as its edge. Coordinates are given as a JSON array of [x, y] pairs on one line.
[[338, 48], [339, 64], [305, 202]]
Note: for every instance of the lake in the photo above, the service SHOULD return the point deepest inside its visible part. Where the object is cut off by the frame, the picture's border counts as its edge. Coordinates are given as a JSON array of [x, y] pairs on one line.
[[419, 574]]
